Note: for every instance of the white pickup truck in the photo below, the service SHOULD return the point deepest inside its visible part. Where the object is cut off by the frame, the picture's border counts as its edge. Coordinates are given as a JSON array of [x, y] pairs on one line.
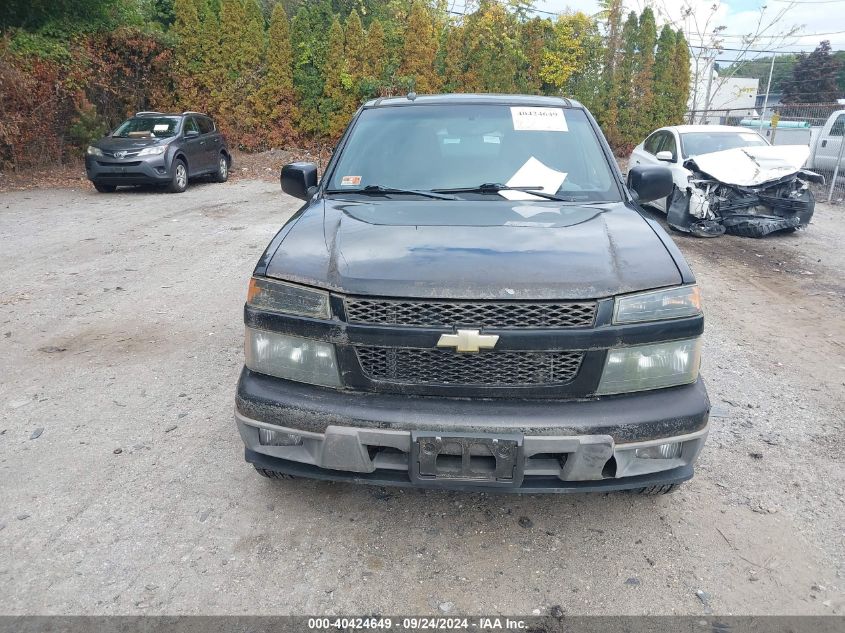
[[825, 141]]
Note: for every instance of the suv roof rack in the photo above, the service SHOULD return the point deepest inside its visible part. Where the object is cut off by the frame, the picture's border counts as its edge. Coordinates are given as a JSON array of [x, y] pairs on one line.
[[151, 112], [192, 112]]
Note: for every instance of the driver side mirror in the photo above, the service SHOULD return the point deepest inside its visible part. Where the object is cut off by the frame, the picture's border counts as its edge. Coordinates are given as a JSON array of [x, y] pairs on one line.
[[665, 156], [299, 180], [649, 182]]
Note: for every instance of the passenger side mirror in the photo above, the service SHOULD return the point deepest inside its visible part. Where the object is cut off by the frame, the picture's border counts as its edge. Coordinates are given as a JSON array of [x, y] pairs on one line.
[[191, 134], [665, 155], [649, 182], [299, 180]]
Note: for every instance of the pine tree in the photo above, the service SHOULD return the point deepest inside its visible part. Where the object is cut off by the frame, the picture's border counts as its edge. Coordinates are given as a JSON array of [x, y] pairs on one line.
[[533, 35], [453, 59], [643, 88], [625, 98], [274, 101], [187, 54], [420, 51], [308, 34], [355, 46], [334, 91], [608, 115], [567, 56], [680, 78], [212, 70], [814, 77], [375, 52], [664, 78]]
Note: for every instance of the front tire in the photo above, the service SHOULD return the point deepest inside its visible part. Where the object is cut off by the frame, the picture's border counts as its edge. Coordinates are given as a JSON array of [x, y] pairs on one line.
[[222, 173], [104, 188], [652, 491], [179, 179]]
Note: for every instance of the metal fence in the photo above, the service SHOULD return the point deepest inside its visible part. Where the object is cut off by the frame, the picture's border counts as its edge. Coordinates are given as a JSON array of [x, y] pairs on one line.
[[795, 124]]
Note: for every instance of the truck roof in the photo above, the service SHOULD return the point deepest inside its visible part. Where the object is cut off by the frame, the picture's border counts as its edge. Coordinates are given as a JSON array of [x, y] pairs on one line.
[[478, 99]]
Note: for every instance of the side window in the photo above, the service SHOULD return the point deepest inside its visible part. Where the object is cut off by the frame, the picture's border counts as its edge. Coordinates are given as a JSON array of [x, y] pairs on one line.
[[668, 145], [205, 124], [191, 125], [838, 127], [652, 143]]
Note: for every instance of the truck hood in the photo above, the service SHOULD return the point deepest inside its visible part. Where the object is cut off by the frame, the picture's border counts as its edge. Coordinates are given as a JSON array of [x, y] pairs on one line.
[[473, 250]]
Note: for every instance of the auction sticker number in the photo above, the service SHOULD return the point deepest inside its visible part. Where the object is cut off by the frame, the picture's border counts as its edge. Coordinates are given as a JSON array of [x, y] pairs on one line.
[[539, 119]]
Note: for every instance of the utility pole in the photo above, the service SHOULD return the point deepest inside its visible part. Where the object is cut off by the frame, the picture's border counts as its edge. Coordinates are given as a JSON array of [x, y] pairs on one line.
[[707, 96], [768, 88]]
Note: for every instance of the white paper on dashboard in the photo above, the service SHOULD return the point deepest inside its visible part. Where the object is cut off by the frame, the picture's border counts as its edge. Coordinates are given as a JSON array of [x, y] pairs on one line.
[[533, 173]]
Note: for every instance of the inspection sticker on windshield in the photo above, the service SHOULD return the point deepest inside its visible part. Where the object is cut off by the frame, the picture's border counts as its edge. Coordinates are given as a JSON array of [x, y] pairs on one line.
[[350, 181], [539, 119], [161, 127]]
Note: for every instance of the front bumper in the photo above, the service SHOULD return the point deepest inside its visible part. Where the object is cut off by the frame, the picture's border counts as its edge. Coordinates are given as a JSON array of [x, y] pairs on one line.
[[131, 171], [567, 446]]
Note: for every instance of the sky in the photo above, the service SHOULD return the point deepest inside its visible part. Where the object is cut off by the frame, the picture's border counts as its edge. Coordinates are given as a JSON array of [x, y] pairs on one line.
[[740, 17]]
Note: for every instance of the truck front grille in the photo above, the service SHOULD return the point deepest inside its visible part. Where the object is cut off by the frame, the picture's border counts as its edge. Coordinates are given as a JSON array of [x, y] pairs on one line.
[[445, 367], [489, 314]]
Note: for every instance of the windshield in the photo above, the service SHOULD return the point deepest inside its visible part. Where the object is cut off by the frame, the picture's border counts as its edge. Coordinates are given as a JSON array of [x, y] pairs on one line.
[[434, 147], [695, 143], [148, 127]]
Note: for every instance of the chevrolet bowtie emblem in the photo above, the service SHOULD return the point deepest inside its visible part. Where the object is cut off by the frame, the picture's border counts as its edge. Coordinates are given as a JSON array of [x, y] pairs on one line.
[[468, 341]]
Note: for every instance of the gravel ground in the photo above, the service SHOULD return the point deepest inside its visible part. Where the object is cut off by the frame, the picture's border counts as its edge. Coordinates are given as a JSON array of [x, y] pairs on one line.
[[124, 489]]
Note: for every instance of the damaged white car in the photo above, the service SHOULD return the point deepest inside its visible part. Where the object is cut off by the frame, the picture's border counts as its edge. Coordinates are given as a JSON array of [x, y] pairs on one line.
[[729, 179]]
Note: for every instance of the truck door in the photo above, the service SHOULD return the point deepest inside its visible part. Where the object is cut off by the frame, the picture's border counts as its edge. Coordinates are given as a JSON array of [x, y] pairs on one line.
[[827, 149]]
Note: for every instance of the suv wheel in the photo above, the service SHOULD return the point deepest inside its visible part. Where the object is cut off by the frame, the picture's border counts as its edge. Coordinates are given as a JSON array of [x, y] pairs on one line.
[[222, 173], [179, 180], [104, 188]]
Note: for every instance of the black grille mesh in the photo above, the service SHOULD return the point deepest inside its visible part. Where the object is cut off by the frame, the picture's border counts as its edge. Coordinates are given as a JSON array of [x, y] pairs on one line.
[[445, 367], [501, 314]]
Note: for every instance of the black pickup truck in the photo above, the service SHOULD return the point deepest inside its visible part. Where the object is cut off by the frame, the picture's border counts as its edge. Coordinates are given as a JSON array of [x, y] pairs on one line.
[[471, 298]]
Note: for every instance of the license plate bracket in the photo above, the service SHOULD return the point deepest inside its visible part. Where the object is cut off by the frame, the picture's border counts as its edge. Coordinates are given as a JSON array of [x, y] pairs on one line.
[[449, 457]]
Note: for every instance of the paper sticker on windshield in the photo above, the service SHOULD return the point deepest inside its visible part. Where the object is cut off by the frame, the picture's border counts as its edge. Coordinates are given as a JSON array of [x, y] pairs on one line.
[[492, 139], [350, 181], [161, 127], [539, 119]]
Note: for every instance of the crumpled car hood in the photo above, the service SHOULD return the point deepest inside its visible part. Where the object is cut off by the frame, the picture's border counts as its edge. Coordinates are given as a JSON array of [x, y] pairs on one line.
[[751, 166]]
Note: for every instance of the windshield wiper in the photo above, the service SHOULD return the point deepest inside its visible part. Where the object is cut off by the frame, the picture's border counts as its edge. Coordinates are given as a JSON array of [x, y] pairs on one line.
[[494, 187], [380, 190]]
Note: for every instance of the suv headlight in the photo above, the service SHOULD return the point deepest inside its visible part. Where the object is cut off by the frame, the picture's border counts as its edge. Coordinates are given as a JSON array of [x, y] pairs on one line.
[[654, 366], [291, 358], [278, 296], [153, 151], [671, 303], [94, 151]]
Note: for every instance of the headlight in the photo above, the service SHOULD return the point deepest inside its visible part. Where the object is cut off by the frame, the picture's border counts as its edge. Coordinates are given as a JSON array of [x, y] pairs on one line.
[[153, 151], [291, 357], [673, 303], [94, 151], [650, 366], [278, 296]]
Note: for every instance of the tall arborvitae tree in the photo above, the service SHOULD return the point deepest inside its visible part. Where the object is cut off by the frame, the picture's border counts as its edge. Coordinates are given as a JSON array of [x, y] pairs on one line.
[[608, 113], [274, 102], [664, 78], [491, 49], [334, 92], [533, 35], [375, 53], [419, 51], [187, 54], [625, 97], [643, 88], [309, 29], [356, 58], [680, 78], [453, 59], [212, 70], [814, 78]]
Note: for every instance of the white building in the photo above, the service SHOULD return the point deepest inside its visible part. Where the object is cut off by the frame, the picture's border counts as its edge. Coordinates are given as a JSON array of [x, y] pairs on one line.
[[721, 100]]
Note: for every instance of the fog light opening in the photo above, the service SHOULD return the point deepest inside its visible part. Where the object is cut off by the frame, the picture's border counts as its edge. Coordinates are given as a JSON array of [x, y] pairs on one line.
[[609, 470], [267, 437], [670, 450]]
